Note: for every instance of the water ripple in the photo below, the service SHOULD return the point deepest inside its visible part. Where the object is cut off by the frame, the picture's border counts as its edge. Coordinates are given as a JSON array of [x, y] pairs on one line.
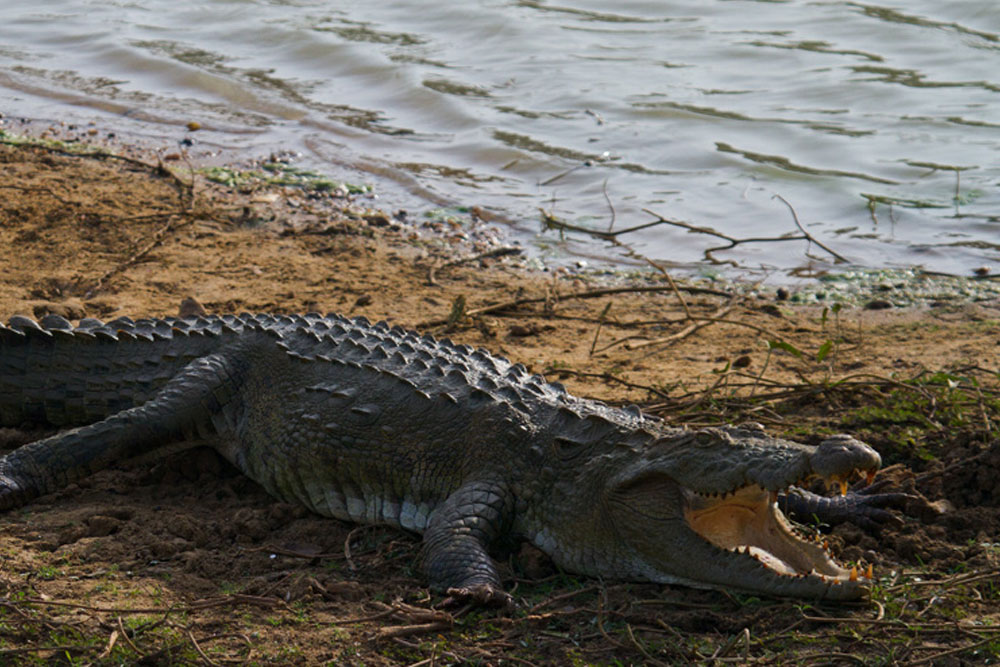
[[857, 113]]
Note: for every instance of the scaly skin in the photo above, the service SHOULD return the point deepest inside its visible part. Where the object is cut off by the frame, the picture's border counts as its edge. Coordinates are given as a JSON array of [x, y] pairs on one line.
[[376, 425]]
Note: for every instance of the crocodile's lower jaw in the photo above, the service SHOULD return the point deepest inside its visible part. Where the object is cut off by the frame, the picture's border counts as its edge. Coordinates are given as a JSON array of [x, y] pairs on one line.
[[749, 522]]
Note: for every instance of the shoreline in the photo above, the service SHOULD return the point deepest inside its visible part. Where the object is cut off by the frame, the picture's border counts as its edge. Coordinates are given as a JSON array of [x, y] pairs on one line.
[[158, 231], [896, 287]]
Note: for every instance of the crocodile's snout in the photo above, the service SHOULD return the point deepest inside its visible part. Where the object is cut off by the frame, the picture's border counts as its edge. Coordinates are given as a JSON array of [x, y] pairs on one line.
[[840, 457]]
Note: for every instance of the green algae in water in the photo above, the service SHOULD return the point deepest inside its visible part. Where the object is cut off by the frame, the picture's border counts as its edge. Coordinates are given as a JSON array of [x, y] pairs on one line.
[[901, 287], [284, 174], [277, 173]]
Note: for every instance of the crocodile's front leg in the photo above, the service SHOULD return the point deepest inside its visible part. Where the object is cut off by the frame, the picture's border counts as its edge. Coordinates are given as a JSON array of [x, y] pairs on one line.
[[867, 507], [456, 540], [180, 411]]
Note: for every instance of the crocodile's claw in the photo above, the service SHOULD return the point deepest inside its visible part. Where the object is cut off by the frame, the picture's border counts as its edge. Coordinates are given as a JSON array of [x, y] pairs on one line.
[[481, 595]]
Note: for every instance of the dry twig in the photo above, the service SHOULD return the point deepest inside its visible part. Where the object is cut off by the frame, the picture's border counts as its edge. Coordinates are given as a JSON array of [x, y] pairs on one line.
[[155, 241], [502, 251], [732, 242], [589, 294]]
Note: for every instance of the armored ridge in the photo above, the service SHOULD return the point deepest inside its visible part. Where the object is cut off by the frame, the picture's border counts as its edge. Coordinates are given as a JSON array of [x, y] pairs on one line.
[[374, 424]]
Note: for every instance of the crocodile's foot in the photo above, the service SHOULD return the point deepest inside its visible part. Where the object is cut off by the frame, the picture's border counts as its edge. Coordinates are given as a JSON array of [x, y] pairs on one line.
[[12, 493], [485, 595], [866, 506], [869, 506]]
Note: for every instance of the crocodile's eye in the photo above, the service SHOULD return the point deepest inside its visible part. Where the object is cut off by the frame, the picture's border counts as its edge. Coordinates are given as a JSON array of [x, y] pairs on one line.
[[567, 449], [751, 426], [705, 439]]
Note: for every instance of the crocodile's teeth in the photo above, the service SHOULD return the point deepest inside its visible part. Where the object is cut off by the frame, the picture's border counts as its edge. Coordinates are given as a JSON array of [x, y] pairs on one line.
[[870, 572], [843, 487], [854, 573], [869, 477]]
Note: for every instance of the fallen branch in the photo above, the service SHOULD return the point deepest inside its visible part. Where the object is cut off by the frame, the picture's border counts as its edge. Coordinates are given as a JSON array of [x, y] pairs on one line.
[[502, 251], [699, 323], [410, 630], [552, 222], [47, 191], [562, 596], [591, 294], [840, 258], [33, 649], [732, 242], [157, 169], [156, 240]]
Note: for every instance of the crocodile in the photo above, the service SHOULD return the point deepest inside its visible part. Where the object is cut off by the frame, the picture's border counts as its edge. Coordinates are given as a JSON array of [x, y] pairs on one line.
[[372, 423]]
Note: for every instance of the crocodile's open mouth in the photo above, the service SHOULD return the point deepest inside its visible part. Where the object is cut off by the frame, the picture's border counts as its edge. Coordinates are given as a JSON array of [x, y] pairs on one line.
[[748, 521]]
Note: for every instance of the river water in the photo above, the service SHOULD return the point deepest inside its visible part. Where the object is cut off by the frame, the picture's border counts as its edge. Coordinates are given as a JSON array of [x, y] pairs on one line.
[[879, 124]]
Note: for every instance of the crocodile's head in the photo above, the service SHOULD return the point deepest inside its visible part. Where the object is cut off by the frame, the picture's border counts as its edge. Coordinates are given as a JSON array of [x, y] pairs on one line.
[[700, 509]]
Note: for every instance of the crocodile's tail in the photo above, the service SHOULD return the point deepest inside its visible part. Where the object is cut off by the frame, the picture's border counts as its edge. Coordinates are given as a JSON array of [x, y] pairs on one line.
[[181, 410], [52, 373]]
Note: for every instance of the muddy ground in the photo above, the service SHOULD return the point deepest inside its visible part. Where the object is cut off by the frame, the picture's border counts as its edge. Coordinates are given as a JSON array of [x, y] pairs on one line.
[[183, 561]]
